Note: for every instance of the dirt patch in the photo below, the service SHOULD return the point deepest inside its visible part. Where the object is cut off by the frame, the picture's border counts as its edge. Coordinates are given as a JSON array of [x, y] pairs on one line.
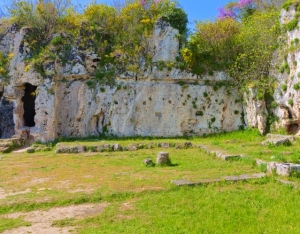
[[41, 221], [21, 150], [129, 205], [4, 194]]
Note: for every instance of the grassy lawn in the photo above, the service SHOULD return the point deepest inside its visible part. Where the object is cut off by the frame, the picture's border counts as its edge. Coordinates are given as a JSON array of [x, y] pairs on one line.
[[142, 199], [107, 172], [259, 207]]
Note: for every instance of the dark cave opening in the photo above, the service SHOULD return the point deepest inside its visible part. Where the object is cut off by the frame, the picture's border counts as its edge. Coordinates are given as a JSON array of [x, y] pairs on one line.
[[292, 128], [29, 105]]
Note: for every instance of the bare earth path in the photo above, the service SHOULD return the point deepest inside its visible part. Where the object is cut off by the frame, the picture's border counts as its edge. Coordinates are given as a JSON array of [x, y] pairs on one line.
[[41, 221]]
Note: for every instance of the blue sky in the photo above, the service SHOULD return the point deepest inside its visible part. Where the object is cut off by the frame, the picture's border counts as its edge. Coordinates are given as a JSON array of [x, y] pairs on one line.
[[196, 9]]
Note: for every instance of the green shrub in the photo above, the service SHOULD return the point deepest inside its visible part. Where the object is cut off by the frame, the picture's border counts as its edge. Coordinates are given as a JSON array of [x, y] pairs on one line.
[[274, 105], [177, 18], [99, 75], [199, 113], [56, 41], [296, 40], [292, 25], [4, 62], [291, 102], [181, 83], [287, 4], [296, 86], [284, 87]]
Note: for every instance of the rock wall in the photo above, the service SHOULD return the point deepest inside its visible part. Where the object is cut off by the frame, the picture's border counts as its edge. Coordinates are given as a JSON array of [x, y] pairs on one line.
[[157, 102], [145, 109], [287, 92], [6, 118]]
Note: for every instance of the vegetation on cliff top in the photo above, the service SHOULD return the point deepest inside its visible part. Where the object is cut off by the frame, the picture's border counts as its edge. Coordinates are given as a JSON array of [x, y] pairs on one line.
[[118, 35], [240, 42]]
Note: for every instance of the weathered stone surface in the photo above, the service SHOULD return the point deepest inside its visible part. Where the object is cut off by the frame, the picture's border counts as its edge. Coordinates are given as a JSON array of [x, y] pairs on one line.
[[165, 145], [30, 150], [228, 157], [165, 43], [7, 125], [288, 105], [224, 178], [148, 104], [132, 147], [256, 111], [163, 158], [116, 147], [148, 162], [6, 145], [276, 140], [60, 149], [283, 169], [188, 144]]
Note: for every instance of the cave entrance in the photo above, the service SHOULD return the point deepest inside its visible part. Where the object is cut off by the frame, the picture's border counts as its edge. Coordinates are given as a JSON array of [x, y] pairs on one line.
[[29, 105], [292, 128]]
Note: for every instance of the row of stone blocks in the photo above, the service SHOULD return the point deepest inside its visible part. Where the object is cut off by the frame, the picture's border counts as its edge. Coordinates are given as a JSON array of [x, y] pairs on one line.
[[6, 145], [220, 154], [283, 169], [61, 148]]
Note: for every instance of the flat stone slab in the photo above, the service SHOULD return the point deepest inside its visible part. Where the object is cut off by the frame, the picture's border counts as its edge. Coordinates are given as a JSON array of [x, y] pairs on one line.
[[276, 139], [276, 136], [220, 154], [224, 178], [227, 157]]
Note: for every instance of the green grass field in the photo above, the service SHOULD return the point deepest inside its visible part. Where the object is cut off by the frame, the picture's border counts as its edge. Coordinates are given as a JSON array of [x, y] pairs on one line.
[[142, 199]]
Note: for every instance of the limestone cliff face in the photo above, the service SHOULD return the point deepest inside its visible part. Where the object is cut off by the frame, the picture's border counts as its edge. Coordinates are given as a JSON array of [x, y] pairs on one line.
[[150, 104], [145, 109], [287, 92]]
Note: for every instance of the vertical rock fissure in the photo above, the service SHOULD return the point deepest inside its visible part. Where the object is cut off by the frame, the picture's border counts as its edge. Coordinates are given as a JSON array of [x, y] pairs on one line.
[[29, 105], [7, 124]]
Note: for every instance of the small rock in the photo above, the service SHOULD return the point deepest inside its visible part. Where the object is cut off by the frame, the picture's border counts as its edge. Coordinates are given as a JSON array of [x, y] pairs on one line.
[[283, 169], [188, 144], [230, 157], [30, 150], [165, 145], [163, 158], [132, 147], [116, 147], [148, 162]]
